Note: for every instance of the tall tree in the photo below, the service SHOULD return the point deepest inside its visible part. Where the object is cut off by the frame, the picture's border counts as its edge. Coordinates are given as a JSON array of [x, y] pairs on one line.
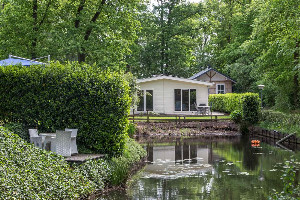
[[24, 26], [276, 37], [88, 31], [169, 38]]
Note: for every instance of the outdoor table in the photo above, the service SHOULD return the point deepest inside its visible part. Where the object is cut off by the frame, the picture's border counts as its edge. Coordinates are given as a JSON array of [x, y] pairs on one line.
[[204, 109], [48, 134], [51, 137]]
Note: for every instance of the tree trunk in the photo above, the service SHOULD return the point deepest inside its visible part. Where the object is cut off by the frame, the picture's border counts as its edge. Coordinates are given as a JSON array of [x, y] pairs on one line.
[[162, 39], [35, 28], [82, 53]]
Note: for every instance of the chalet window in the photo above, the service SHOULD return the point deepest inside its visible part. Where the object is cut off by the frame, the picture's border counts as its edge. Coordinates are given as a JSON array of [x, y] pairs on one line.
[[220, 89], [193, 100], [141, 104], [149, 100], [185, 99], [145, 100]]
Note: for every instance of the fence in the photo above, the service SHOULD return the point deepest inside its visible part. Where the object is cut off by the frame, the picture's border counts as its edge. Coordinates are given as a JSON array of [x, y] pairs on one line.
[[178, 118]]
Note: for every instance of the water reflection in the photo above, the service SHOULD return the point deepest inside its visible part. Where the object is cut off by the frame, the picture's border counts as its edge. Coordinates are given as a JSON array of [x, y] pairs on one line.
[[197, 169]]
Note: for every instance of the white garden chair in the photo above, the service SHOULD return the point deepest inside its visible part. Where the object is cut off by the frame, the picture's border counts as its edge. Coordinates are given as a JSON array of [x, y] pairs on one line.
[[35, 138], [73, 140], [63, 143]]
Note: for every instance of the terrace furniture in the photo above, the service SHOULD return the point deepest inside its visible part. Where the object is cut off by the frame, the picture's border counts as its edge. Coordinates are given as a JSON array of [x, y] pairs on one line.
[[37, 141], [73, 140], [63, 143], [35, 138], [49, 142], [202, 109]]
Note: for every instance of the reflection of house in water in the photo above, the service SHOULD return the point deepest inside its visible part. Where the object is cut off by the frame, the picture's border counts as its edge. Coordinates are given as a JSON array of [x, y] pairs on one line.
[[168, 161], [182, 152]]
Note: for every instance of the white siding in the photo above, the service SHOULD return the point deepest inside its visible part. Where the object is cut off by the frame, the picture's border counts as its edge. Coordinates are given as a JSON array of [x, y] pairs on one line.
[[164, 98]]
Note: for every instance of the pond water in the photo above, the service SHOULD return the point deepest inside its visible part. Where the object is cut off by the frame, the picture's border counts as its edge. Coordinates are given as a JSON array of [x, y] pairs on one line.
[[197, 168]]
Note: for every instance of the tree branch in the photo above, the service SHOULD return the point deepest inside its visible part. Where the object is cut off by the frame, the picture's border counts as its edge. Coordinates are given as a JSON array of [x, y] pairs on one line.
[[45, 14], [93, 20], [80, 8]]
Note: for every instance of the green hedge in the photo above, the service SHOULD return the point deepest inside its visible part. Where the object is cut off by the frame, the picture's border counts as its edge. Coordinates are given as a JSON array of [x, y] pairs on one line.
[[31, 173], [58, 96], [247, 105]]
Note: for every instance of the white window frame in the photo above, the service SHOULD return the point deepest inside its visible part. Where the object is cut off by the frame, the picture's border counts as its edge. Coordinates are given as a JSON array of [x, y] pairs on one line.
[[217, 88], [145, 101], [189, 89]]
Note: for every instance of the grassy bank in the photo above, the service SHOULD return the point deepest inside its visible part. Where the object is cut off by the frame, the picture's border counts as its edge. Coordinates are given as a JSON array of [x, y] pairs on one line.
[[283, 122], [28, 172]]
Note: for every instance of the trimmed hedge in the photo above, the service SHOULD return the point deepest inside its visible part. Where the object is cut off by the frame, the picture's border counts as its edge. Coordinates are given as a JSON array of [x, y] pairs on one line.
[[246, 105], [74, 96], [28, 172]]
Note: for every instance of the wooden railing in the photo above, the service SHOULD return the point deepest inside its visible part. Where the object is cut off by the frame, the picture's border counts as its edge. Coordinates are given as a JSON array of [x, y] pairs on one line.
[[178, 118]]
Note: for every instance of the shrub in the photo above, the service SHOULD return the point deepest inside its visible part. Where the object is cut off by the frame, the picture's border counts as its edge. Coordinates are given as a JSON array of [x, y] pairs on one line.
[[131, 129], [248, 104], [280, 118], [121, 166], [28, 172], [96, 171], [59, 96], [19, 129], [236, 116], [113, 171], [275, 120]]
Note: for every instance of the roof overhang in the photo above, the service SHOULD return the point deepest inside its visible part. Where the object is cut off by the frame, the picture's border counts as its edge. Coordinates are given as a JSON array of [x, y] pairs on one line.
[[156, 78]]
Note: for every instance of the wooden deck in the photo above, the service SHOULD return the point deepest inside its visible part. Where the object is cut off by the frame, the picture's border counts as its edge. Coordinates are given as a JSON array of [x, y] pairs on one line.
[[81, 158]]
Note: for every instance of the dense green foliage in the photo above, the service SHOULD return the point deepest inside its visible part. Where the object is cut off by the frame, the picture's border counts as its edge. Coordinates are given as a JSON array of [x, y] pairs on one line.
[[19, 129], [168, 39], [275, 120], [58, 96], [121, 166], [245, 105], [88, 31], [30, 173], [114, 171], [253, 41]]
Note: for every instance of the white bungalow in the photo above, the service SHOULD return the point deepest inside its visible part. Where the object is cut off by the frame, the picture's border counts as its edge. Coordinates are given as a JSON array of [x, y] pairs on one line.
[[171, 95]]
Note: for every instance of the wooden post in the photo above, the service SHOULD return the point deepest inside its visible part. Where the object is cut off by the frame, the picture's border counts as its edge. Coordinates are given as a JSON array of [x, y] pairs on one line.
[[147, 116], [216, 118]]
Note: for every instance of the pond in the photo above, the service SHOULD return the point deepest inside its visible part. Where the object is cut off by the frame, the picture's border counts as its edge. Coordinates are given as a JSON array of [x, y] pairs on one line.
[[197, 168]]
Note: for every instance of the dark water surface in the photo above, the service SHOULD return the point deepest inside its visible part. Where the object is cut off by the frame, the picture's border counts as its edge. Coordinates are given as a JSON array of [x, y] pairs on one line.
[[196, 168]]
